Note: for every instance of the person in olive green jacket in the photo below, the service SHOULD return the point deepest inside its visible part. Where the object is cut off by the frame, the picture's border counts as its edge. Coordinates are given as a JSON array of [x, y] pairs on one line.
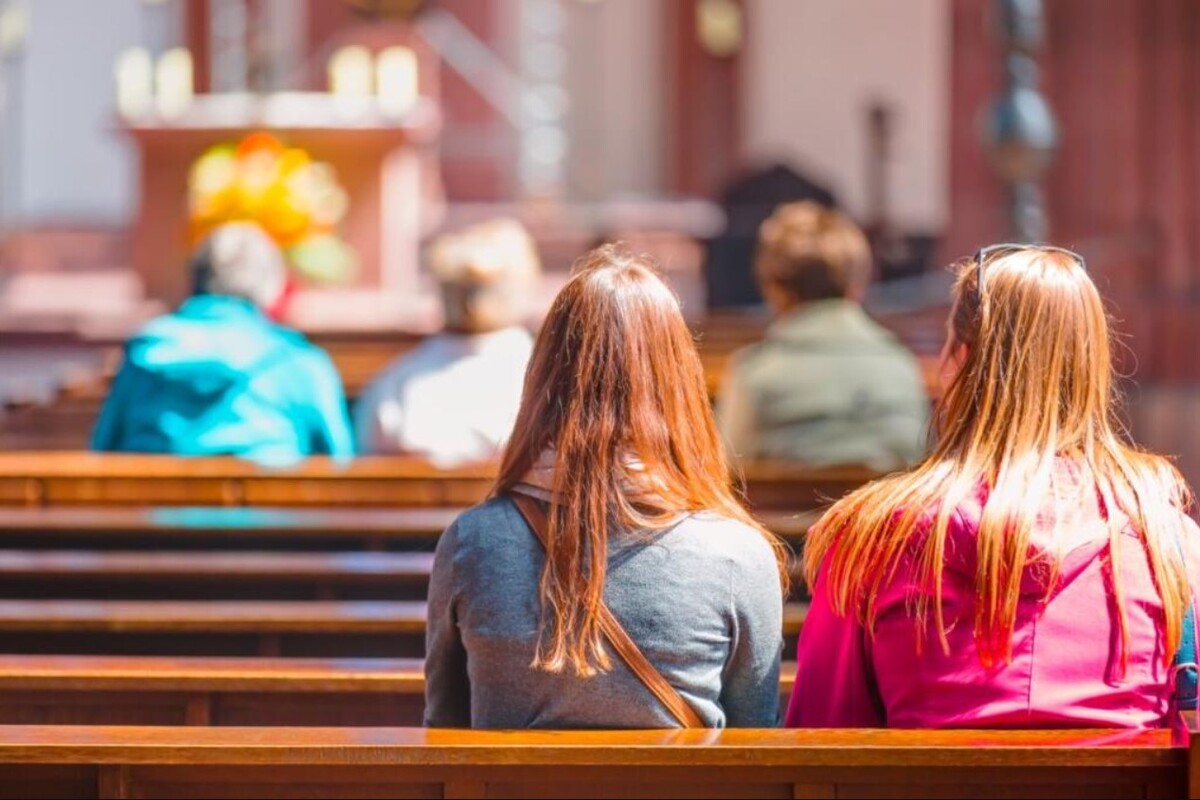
[[827, 385]]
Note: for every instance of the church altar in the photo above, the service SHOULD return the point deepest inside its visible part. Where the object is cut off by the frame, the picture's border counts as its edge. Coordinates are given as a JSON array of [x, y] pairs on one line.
[[383, 164]]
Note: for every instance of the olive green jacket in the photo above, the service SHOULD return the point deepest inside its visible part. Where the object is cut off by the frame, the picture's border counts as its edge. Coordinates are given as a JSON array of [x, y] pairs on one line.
[[826, 386]]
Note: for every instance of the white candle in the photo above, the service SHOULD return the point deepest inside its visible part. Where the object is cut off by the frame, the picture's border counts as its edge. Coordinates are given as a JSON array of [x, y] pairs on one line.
[[396, 80], [174, 81], [14, 29], [350, 72], [135, 83]]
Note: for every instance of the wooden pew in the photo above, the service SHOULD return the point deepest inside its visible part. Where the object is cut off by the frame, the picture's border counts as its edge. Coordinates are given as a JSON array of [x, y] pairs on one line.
[[232, 627], [197, 690], [153, 690], [771, 486], [66, 422], [234, 528], [244, 575], [55, 762], [123, 574], [52, 479], [214, 627], [49, 479]]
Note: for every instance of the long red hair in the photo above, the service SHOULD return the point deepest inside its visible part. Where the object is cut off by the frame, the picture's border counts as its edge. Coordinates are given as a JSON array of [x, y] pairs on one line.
[[616, 391], [1036, 385]]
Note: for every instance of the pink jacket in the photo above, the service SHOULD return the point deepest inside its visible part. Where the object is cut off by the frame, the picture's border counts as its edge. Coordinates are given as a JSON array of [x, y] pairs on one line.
[[1065, 668]]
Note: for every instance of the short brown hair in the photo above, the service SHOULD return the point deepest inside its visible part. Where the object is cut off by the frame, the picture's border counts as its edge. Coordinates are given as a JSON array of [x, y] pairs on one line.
[[812, 252]]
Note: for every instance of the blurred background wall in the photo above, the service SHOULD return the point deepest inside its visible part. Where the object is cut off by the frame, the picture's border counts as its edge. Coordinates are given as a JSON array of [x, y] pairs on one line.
[[594, 118]]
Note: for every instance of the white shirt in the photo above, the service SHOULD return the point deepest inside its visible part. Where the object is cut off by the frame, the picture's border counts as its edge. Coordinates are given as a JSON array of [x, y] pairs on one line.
[[453, 399]]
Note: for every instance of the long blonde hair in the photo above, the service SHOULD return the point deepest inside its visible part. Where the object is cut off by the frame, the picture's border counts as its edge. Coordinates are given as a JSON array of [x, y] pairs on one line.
[[616, 390], [1036, 384]]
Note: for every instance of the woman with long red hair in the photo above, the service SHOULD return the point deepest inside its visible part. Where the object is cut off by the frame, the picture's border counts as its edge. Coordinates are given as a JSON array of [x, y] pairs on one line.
[[1033, 570], [613, 580]]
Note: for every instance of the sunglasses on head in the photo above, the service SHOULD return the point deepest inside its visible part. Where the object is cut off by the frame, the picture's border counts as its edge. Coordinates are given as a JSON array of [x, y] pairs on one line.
[[985, 255]]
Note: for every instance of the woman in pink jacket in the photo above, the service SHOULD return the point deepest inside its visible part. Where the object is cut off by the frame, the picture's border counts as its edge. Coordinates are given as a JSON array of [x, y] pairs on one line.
[[1030, 572]]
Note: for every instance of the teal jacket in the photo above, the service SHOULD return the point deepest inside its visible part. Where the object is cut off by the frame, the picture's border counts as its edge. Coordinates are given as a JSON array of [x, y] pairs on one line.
[[217, 377]]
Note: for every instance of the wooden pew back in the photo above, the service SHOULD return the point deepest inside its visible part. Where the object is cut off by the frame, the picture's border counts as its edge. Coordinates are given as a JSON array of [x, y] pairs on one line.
[[202, 690], [74, 478], [404, 762]]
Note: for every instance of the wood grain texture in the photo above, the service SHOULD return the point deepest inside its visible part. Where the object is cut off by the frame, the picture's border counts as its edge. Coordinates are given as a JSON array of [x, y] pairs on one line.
[[36, 744], [228, 616], [157, 690], [122, 479], [218, 567], [214, 616], [67, 673], [149, 527]]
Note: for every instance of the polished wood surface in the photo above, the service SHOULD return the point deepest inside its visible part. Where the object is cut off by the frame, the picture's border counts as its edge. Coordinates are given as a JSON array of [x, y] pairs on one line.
[[220, 567], [207, 627], [73, 478], [235, 521], [238, 616], [138, 690], [162, 525], [200, 673], [77, 478], [216, 616], [81, 761], [209, 674], [205, 574], [157, 690], [769, 747], [229, 529], [293, 628]]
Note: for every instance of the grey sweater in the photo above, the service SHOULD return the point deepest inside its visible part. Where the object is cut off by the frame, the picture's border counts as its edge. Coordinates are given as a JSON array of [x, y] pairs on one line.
[[702, 600]]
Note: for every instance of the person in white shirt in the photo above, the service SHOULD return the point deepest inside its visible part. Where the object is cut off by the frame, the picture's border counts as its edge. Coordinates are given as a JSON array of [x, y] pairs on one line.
[[454, 398]]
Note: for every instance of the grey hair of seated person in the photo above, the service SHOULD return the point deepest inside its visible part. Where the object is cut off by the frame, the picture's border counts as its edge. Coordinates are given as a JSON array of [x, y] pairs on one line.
[[239, 259]]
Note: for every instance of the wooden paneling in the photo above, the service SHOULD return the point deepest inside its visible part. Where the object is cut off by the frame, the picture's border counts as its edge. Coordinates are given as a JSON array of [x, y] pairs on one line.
[[977, 199], [704, 106], [1122, 78]]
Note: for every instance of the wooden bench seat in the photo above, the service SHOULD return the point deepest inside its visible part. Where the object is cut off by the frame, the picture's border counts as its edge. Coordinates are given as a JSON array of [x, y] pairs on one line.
[[74, 478], [122, 574], [53, 761], [209, 616], [156, 690], [219, 575], [230, 521], [80, 478], [229, 627], [172, 527], [209, 674], [213, 627], [143, 690], [237, 616], [59, 565]]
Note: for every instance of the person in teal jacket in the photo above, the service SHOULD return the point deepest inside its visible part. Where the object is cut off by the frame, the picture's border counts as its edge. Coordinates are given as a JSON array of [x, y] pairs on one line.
[[218, 377]]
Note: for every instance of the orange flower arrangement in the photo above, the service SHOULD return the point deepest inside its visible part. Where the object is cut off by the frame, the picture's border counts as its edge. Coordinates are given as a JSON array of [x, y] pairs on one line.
[[296, 200]]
